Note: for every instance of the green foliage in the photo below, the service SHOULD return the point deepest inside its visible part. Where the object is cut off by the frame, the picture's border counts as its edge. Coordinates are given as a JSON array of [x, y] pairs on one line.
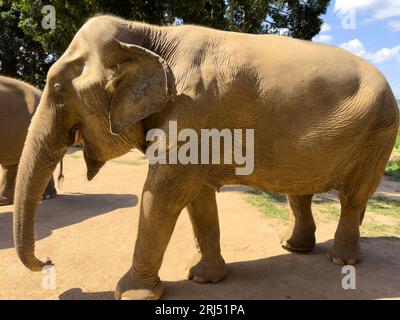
[[21, 19], [393, 169], [21, 56], [393, 166]]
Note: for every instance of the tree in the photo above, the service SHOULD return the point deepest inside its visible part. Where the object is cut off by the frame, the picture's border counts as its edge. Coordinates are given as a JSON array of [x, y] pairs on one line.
[[20, 55], [295, 18]]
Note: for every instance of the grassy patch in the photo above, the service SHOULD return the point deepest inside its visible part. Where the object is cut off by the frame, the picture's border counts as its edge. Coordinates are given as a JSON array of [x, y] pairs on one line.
[[393, 166], [75, 156], [129, 162], [377, 230], [273, 205], [329, 208], [384, 206]]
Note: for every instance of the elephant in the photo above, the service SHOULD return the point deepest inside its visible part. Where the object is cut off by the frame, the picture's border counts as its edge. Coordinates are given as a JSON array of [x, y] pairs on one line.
[[18, 103], [323, 119]]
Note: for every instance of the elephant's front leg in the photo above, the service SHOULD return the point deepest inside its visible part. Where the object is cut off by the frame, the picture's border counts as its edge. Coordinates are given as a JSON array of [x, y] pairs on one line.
[[168, 189], [208, 265]]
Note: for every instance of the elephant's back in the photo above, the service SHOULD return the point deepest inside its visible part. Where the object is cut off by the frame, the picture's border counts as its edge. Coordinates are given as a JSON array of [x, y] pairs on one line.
[[18, 102]]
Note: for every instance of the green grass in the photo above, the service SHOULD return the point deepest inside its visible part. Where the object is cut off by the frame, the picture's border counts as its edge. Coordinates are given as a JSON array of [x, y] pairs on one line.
[[332, 210], [393, 166], [384, 206], [273, 205], [75, 156], [129, 162], [377, 229]]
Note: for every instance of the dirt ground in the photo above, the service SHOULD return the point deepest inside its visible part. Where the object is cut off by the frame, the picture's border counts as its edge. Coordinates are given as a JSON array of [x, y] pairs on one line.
[[90, 228]]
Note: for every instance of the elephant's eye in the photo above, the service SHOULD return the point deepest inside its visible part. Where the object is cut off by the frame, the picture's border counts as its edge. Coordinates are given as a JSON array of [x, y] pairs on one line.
[[58, 87]]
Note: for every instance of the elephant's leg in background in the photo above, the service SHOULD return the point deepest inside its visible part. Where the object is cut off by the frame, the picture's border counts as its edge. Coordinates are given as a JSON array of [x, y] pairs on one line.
[[7, 184], [208, 265], [50, 191], [167, 190], [300, 235]]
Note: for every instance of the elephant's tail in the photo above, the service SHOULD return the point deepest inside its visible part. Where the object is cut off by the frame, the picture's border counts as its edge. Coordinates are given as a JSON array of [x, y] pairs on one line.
[[60, 178]]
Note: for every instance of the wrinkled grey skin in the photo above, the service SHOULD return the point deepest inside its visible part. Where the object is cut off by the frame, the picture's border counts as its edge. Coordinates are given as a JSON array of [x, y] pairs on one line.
[[18, 103], [323, 118]]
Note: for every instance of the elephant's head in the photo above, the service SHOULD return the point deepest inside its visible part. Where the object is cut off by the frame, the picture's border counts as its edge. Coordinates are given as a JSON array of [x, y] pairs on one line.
[[100, 89]]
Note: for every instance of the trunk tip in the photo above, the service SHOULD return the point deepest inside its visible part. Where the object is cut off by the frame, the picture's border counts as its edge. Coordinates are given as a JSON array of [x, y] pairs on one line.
[[34, 264]]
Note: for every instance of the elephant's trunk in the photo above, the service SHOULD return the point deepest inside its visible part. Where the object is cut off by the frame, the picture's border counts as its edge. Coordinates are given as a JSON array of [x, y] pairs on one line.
[[41, 153]]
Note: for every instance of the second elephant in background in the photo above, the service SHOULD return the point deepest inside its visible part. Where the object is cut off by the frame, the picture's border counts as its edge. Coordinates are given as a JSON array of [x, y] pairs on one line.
[[18, 103]]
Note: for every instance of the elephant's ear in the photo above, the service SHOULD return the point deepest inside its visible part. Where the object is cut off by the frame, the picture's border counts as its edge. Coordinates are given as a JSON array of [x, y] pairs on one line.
[[142, 84]]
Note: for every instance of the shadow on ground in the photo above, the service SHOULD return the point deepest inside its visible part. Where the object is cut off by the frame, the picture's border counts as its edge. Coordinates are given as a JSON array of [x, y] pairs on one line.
[[65, 210], [292, 276]]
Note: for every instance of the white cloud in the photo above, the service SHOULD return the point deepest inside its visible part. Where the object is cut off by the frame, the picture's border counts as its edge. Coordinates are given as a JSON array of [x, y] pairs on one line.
[[373, 9], [385, 54], [394, 25], [323, 38], [381, 56], [355, 46], [326, 27]]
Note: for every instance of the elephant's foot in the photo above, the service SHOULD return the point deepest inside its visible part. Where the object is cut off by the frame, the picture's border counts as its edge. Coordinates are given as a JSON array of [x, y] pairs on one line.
[[132, 287], [343, 255], [5, 201], [49, 194], [298, 240], [202, 270]]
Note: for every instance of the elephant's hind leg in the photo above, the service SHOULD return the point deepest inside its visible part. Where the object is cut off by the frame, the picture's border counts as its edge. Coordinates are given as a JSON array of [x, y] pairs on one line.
[[346, 246], [354, 193], [356, 190], [208, 265], [300, 235], [7, 184]]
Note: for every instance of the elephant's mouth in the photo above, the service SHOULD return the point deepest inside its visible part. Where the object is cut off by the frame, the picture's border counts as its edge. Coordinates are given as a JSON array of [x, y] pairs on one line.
[[93, 165]]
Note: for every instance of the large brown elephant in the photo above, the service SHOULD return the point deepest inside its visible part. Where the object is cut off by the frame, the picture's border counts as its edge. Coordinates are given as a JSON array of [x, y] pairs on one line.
[[323, 118], [18, 103]]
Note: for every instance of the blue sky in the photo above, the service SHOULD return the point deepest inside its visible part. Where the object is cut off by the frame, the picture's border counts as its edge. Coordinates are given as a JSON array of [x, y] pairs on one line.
[[368, 28]]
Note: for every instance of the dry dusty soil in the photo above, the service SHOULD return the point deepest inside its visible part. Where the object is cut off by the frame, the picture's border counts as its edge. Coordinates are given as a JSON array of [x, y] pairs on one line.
[[89, 232]]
